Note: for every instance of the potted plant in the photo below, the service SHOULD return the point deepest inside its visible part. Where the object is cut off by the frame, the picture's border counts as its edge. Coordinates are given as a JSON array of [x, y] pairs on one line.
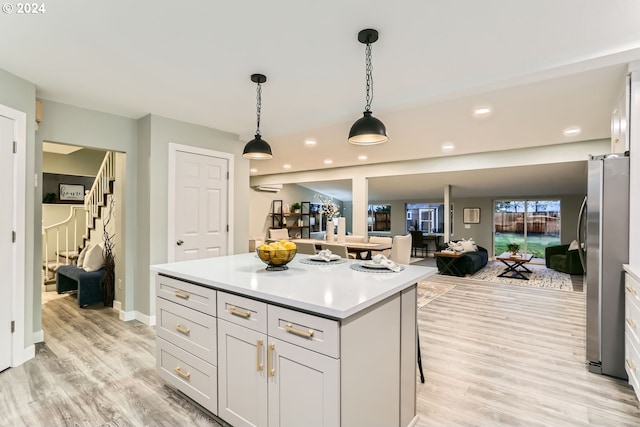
[[513, 248], [295, 208]]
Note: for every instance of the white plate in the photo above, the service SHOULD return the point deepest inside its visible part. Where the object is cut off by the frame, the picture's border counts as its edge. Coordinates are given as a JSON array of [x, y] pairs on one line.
[[332, 257], [371, 264]]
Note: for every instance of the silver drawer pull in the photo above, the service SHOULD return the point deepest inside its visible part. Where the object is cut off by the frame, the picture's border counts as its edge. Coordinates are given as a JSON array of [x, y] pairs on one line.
[[306, 334], [182, 329], [630, 364], [181, 294], [240, 313], [631, 290], [185, 375]]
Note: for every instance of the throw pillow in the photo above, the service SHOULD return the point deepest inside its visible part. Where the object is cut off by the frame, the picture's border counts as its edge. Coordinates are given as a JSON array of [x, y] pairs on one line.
[[93, 260], [455, 246], [83, 253], [573, 246], [468, 246]]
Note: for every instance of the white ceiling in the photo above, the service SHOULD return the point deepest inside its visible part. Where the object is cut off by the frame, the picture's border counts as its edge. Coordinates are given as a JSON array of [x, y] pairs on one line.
[[543, 66]]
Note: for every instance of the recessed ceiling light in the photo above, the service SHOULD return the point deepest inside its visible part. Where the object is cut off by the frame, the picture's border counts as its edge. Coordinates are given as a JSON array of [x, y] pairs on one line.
[[447, 147], [362, 157], [328, 161], [286, 166], [310, 142], [572, 131], [253, 170], [482, 111]]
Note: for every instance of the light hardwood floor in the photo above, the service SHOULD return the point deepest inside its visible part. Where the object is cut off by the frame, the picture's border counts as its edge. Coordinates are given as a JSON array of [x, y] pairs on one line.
[[492, 354], [511, 355]]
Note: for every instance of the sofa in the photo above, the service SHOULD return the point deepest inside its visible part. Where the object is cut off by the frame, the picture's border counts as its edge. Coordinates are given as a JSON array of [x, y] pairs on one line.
[[560, 258], [467, 264]]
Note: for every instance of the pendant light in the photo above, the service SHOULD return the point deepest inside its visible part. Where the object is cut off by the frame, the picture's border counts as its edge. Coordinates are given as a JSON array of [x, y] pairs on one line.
[[257, 148], [368, 130]]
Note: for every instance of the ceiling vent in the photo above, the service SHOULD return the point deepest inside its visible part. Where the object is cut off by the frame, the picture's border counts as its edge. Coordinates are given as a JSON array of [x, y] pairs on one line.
[[273, 188]]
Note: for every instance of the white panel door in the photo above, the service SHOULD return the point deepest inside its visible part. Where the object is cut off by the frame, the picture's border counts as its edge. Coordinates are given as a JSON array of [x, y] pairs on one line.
[[242, 378], [201, 206], [6, 244], [302, 387]]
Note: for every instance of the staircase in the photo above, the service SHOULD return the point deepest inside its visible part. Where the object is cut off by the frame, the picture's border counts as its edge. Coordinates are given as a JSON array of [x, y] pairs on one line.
[[67, 242]]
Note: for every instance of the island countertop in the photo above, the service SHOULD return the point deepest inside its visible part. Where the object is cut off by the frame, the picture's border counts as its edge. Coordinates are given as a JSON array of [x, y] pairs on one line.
[[332, 290]]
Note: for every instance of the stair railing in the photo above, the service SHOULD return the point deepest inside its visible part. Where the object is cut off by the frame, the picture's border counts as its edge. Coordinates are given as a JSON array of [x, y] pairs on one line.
[[94, 198], [68, 230]]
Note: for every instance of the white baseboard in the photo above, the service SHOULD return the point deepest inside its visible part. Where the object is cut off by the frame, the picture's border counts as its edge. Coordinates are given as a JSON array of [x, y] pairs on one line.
[[38, 336], [125, 316], [147, 320]]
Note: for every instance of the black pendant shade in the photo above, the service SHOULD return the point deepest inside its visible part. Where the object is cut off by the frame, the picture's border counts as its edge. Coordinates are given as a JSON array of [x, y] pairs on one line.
[[258, 148], [368, 131]]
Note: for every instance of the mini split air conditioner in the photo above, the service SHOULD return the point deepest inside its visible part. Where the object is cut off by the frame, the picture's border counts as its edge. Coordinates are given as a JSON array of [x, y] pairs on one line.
[[273, 188]]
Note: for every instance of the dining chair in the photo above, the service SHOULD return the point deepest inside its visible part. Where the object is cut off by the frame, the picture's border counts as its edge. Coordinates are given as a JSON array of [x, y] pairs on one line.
[[337, 249], [401, 249], [417, 242], [278, 234], [306, 248], [381, 240]]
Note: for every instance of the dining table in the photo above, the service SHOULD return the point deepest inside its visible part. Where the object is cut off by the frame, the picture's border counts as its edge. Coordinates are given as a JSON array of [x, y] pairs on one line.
[[355, 247]]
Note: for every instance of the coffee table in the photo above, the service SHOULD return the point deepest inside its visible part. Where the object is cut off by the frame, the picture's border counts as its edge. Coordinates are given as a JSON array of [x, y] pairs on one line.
[[515, 265], [449, 265]]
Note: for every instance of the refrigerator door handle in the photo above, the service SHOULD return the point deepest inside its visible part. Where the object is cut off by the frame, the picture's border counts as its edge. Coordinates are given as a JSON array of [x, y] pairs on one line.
[[581, 225]]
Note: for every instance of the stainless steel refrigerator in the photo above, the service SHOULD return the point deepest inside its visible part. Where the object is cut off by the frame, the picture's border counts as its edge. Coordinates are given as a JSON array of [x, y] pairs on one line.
[[603, 232]]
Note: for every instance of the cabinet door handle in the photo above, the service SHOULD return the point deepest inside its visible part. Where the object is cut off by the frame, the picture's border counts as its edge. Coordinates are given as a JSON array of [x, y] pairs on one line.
[[631, 290], [179, 242], [181, 294], [271, 369], [630, 364], [259, 364], [185, 375], [182, 329], [239, 313], [306, 334], [631, 323]]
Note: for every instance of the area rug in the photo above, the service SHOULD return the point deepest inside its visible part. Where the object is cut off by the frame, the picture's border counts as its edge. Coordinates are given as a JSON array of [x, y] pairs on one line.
[[540, 277], [428, 291]]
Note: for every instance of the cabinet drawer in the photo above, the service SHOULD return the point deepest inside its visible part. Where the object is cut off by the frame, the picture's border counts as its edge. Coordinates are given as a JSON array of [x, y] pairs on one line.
[[193, 296], [189, 374], [632, 363], [632, 288], [189, 329], [243, 311], [632, 318], [308, 331]]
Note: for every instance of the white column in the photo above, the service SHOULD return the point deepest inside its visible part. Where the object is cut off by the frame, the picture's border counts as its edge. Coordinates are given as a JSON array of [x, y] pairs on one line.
[[448, 213], [360, 196]]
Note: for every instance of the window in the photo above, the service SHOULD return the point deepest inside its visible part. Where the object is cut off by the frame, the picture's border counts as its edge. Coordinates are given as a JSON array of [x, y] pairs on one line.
[[533, 224], [379, 218], [427, 217]]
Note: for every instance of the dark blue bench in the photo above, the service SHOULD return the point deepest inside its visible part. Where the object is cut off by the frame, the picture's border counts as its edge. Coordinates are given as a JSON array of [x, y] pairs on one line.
[[87, 283]]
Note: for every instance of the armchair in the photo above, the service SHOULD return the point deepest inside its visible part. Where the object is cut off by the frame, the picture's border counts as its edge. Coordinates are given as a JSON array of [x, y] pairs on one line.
[[562, 259]]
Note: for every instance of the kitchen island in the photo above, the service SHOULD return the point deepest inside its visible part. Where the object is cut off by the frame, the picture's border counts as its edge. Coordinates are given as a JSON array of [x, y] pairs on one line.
[[314, 345]]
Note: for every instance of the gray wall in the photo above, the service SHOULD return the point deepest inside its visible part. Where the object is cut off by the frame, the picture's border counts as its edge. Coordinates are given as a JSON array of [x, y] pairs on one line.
[[155, 134], [482, 233], [20, 95]]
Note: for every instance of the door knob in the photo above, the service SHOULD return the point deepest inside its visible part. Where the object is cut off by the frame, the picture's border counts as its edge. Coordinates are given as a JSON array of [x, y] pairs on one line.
[[179, 242]]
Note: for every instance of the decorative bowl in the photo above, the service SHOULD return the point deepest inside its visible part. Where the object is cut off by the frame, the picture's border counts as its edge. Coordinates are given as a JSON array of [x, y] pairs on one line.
[[276, 259]]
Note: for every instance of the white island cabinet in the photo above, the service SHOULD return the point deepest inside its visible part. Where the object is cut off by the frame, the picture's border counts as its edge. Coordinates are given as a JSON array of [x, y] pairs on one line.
[[312, 345]]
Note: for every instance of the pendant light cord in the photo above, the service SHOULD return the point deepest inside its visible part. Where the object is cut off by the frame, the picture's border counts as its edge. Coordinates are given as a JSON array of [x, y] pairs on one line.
[[369, 72], [258, 108]]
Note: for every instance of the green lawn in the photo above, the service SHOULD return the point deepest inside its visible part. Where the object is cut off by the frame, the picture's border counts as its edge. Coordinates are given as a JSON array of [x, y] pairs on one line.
[[535, 243]]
